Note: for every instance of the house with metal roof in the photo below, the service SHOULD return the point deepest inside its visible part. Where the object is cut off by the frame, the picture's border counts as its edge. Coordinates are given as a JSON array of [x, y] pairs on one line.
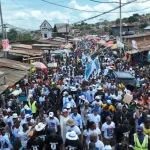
[[61, 29], [147, 28]]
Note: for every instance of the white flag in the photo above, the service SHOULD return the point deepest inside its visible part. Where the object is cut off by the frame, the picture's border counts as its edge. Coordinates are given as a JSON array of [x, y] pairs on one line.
[[134, 44]]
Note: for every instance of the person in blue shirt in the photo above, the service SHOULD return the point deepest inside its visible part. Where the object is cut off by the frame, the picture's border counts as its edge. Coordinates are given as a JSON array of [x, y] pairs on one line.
[[77, 118]]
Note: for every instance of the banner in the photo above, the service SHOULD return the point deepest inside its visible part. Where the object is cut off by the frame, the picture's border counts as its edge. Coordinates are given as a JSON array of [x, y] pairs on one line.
[[97, 63], [83, 59], [5, 44], [88, 70]]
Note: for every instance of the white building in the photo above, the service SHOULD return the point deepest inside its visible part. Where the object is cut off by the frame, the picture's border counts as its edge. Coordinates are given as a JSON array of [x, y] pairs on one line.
[[46, 30]]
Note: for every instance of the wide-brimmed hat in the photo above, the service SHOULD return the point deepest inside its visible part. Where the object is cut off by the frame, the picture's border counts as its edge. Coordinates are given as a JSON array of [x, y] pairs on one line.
[[71, 136], [40, 126], [70, 122]]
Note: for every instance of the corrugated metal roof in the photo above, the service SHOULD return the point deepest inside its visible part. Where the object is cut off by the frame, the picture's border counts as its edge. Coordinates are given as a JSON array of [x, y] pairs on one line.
[[7, 63], [135, 36], [11, 77], [147, 28]]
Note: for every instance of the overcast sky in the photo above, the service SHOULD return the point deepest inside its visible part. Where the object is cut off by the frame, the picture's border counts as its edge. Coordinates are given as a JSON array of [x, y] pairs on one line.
[[34, 12]]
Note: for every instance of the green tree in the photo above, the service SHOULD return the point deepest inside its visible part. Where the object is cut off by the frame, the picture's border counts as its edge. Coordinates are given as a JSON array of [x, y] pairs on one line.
[[132, 19], [143, 25], [117, 21], [12, 35]]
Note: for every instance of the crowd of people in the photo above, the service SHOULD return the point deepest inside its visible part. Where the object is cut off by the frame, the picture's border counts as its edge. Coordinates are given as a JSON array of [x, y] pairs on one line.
[[59, 110]]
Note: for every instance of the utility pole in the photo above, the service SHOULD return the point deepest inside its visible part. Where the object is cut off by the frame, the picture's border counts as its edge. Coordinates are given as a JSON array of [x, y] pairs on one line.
[[120, 23], [5, 27], [1, 15]]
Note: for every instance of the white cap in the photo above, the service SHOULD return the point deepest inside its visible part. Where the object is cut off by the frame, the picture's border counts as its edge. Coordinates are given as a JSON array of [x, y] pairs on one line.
[[28, 116], [51, 114], [26, 107]]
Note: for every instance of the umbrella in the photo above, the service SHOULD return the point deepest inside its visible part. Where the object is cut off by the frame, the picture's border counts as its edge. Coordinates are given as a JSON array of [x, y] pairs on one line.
[[39, 65]]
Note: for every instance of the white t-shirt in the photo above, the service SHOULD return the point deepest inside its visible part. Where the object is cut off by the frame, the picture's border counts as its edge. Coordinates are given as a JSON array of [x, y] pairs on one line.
[[53, 123], [15, 131], [94, 118], [42, 99], [94, 103], [24, 137], [87, 134], [108, 130], [75, 129], [99, 145]]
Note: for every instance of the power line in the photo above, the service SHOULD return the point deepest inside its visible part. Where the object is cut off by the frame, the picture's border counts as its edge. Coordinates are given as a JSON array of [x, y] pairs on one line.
[[69, 7], [22, 8], [106, 2], [89, 10], [105, 12]]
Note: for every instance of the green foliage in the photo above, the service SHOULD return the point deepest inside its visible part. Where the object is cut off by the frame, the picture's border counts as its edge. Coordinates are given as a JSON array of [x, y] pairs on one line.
[[117, 21], [143, 25], [13, 35], [132, 19]]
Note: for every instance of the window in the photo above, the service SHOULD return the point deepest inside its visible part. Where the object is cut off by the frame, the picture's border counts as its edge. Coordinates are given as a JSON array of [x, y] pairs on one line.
[[45, 36]]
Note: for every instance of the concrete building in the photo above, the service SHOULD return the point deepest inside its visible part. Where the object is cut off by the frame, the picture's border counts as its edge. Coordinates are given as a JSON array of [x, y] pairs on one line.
[[46, 30]]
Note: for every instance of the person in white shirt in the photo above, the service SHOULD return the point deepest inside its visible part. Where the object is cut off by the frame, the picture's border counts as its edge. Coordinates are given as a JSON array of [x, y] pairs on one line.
[[42, 98], [72, 127], [53, 122], [70, 101], [65, 97], [91, 128], [90, 94], [16, 128], [98, 144], [95, 117], [24, 135], [29, 120], [97, 102], [108, 131]]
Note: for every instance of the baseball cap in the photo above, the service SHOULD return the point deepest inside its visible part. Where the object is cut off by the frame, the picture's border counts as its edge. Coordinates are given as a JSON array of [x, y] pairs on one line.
[[51, 114], [139, 128]]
